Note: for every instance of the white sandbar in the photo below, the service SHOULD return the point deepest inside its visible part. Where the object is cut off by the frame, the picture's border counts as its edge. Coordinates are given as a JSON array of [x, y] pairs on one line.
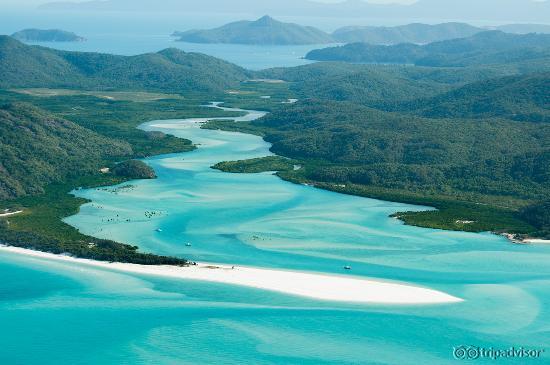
[[536, 240], [10, 213], [311, 285]]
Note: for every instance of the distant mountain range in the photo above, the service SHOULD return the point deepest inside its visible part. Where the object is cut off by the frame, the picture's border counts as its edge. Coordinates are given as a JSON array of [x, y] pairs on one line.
[[464, 10], [47, 35], [269, 31], [489, 47], [425, 33], [265, 30], [411, 33], [523, 28]]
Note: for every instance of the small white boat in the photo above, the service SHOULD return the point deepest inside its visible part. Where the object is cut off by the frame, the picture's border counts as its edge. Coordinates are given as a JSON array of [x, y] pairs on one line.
[[347, 267], [159, 230], [188, 244]]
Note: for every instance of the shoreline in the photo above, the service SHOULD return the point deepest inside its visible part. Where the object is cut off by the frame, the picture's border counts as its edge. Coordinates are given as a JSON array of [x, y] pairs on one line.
[[320, 286], [430, 205], [524, 241], [532, 241], [9, 214]]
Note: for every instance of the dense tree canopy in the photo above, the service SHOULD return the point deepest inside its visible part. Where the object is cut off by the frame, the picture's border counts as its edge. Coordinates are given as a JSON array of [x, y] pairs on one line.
[[484, 48], [38, 148], [171, 69], [134, 169]]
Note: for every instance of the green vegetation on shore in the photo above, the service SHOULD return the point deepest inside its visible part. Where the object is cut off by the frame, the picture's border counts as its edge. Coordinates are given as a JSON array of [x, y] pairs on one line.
[[61, 143], [478, 176], [472, 142], [40, 226], [450, 213], [134, 169], [539, 216]]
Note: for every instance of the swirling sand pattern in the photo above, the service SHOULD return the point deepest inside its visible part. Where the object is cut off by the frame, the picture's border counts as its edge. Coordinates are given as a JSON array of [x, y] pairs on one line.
[[262, 221]]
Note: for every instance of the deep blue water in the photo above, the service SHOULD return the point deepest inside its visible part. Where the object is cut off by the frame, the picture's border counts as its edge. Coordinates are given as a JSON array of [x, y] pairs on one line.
[[58, 313], [248, 56], [133, 33], [138, 33]]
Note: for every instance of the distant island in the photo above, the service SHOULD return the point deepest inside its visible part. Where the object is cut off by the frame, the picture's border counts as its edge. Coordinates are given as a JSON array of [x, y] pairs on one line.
[[264, 31], [47, 35], [411, 33], [481, 49], [419, 33], [523, 28], [268, 31]]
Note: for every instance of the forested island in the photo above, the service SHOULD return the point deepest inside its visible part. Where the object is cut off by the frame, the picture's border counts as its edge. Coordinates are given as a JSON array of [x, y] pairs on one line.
[[472, 141], [419, 33], [264, 164], [491, 47], [268, 31], [47, 35], [265, 30], [411, 33]]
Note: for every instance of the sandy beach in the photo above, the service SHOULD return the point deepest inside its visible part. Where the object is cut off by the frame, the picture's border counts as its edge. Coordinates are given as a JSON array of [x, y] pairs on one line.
[[536, 240], [9, 214], [311, 285]]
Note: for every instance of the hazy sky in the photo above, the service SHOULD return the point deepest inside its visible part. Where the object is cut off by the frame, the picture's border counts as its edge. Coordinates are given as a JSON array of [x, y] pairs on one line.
[[38, 2]]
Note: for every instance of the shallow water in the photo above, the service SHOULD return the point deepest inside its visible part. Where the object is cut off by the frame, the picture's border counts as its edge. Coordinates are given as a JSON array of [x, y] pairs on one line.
[[63, 311]]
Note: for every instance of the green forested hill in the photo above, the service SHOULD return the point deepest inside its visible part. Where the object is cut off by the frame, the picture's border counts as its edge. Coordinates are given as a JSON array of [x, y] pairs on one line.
[[539, 216], [492, 47], [265, 30], [38, 148], [173, 70], [366, 146], [520, 98], [360, 83], [385, 86], [43, 157]]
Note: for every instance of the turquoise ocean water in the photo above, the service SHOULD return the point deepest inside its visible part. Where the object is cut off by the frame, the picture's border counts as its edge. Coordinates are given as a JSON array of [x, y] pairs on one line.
[[58, 313]]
